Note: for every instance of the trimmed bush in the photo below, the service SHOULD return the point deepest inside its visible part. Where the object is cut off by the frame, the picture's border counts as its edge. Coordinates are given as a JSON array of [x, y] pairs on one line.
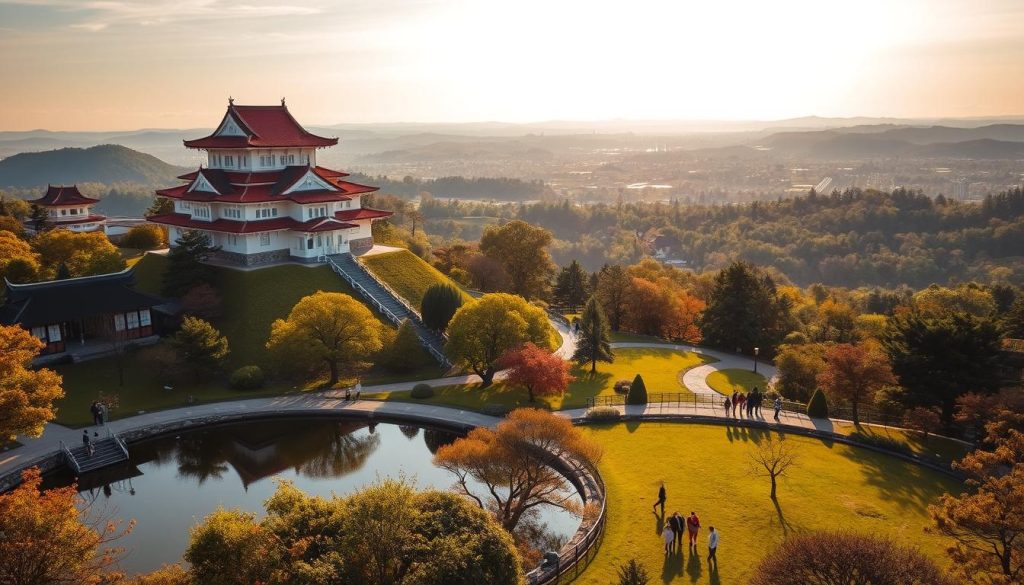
[[247, 378], [817, 407], [422, 391], [637, 392], [603, 413], [439, 303], [622, 386]]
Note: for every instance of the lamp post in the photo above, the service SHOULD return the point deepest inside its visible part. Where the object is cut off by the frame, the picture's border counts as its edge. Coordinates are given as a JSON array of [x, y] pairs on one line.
[[756, 350]]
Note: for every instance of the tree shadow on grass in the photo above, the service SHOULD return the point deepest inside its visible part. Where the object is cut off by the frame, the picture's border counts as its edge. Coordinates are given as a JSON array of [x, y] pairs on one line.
[[904, 483], [783, 523]]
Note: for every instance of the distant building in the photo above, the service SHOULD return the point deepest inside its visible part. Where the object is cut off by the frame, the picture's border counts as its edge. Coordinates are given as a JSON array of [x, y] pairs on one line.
[[263, 199], [961, 190], [82, 317], [67, 208]]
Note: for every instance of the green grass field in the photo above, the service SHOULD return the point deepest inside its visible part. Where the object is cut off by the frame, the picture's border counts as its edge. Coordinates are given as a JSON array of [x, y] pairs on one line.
[[407, 274], [733, 380], [705, 469], [661, 368]]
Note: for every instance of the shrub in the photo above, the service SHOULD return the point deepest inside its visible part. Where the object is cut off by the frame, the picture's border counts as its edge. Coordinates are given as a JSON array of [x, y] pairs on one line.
[[603, 413], [439, 303], [637, 392], [817, 407], [422, 391], [622, 386], [247, 378], [144, 237], [404, 353]]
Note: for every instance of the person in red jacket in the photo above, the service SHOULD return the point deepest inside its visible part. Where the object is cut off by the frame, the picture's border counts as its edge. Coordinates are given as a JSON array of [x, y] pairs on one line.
[[692, 526]]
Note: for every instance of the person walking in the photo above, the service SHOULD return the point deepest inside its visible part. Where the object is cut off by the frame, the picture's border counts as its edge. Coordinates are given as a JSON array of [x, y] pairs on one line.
[[661, 499], [778, 407], [750, 403], [678, 526], [712, 547], [727, 406], [693, 526], [102, 410], [668, 537], [758, 397], [94, 408], [742, 401], [87, 441], [735, 401]]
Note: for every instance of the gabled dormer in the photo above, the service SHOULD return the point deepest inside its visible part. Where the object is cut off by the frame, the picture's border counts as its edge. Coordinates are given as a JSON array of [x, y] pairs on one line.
[[309, 181]]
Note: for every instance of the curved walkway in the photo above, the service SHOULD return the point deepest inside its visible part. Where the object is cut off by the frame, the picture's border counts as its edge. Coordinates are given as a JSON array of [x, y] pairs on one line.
[[696, 379]]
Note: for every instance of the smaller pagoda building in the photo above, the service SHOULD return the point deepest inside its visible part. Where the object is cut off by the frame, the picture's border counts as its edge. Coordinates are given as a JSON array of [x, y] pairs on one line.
[[66, 208]]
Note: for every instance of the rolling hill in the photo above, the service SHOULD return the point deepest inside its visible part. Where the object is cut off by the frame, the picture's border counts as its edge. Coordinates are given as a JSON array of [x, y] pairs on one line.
[[108, 163]]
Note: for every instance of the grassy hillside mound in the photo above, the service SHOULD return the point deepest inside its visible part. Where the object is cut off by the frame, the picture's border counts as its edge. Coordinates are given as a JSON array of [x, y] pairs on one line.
[[406, 273], [107, 163]]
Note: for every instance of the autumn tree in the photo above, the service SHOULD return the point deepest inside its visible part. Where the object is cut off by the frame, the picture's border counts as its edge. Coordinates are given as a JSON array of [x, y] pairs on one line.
[[835, 322], [843, 558], [185, 263], [855, 373], [508, 470], [1012, 321], [986, 522], [482, 331], [147, 236], [488, 274], [966, 299], [798, 367], [84, 254], [772, 457], [538, 370], [327, 329], [27, 395], [612, 292], [571, 286], [203, 301], [46, 539], [440, 301], [200, 346], [19, 263], [593, 340], [923, 420], [521, 249]]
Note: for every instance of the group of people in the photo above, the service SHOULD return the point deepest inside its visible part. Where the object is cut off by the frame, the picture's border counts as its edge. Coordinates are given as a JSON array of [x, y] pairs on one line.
[[751, 402], [690, 525], [99, 412]]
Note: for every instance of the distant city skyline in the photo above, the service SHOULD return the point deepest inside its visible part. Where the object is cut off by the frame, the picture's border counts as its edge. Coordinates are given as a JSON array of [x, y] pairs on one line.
[[130, 64]]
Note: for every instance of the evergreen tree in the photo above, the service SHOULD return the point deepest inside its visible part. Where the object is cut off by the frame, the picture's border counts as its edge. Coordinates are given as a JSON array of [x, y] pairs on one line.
[[160, 206], [571, 286], [817, 407], [185, 268], [745, 311], [405, 353], [612, 291], [1013, 321], [593, 342], [63, 272], [439, 303], [39, 216], [637, 392], [201, 347]]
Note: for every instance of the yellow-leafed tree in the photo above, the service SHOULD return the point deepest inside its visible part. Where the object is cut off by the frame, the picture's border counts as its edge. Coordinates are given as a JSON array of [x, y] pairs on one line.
[[26, 395]]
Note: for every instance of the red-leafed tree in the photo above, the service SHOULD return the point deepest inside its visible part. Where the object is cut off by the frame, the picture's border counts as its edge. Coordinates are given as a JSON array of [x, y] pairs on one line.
[[855, 373], [541, 372]]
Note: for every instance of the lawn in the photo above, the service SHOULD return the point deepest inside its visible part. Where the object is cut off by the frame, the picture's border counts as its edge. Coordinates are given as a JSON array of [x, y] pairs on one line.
[[705, 469], [735, 380], [938, 448], [661, 369], [407, 274], [625, 337]]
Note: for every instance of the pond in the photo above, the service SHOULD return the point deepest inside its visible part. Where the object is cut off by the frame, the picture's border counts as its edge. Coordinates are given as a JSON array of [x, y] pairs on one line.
[[173, 482]]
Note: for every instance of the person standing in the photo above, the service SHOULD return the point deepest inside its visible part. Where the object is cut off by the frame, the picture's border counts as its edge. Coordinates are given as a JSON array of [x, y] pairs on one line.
[[693, 526], [727, 405], [751, 397], [712, 546], [668, 537], [87, 442], [102, 410], [735, 401], [742, 401], [678, 526], [94, 408], [778, 407], [661, 499]]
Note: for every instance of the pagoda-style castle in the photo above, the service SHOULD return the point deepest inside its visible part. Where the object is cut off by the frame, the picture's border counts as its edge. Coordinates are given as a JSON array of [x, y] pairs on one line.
[[66, 208], [262, 198]]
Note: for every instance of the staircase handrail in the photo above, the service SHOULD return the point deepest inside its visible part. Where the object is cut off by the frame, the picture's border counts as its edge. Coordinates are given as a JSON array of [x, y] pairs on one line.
[[362, 291], [118, 441], [70, 457], [401, 300]]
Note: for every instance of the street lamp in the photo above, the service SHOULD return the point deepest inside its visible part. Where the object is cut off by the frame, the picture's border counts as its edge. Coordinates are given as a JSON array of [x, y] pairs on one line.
[[756, 350]]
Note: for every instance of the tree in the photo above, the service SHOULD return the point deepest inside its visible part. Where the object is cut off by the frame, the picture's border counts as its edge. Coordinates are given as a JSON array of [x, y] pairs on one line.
[[512, 463], [185, 268], [84, 254], [842, 558], [39, 217], [166, 575], [18, 262], [571, 286], [200, 346], [969, 299], [521, 249], [817, 406], [386, 534], [637, 394], [147, 236], [440, 301], [404, 352], [772, 457], [798, 367], [26, 394], [481, 331], [1013, 320], [986, 522], [937, 359], [612, 292], [538, 370], [593, 341], [203, 301], [330, 329], [633, 573], [46, 539], [160, 206], [854, 373], [488, 274], [745, 311], [923, 420]]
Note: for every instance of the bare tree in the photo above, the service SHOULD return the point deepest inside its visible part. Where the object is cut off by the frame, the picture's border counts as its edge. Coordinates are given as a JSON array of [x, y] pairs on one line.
[[771, 458]]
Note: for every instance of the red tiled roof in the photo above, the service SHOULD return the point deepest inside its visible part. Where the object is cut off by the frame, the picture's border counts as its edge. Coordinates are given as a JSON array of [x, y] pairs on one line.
[[229, 226], [266, 126], [58, 196], [266, 187], [364, 213]]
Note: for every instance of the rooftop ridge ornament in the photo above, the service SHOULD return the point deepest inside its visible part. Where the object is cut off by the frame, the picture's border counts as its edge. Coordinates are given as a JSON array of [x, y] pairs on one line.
[[231, 101], [282, 101]]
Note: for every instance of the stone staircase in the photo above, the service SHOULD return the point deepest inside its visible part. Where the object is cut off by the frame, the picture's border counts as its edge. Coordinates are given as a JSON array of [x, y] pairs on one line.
[[387, 302], [108, 451]]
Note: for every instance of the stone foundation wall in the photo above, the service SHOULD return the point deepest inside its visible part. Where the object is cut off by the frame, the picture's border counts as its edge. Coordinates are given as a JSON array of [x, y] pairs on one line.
[[360, 245], [257, 259]]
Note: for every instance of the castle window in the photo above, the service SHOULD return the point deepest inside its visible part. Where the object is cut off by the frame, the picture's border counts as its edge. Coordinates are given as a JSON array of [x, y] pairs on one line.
[[265, 239]]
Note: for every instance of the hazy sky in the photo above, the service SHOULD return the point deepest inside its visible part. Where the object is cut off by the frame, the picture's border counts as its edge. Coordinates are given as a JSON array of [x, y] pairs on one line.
[[121, 64]]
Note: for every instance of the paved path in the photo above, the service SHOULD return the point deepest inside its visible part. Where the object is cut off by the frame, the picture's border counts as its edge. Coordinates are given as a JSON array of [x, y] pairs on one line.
[[696, 378]]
